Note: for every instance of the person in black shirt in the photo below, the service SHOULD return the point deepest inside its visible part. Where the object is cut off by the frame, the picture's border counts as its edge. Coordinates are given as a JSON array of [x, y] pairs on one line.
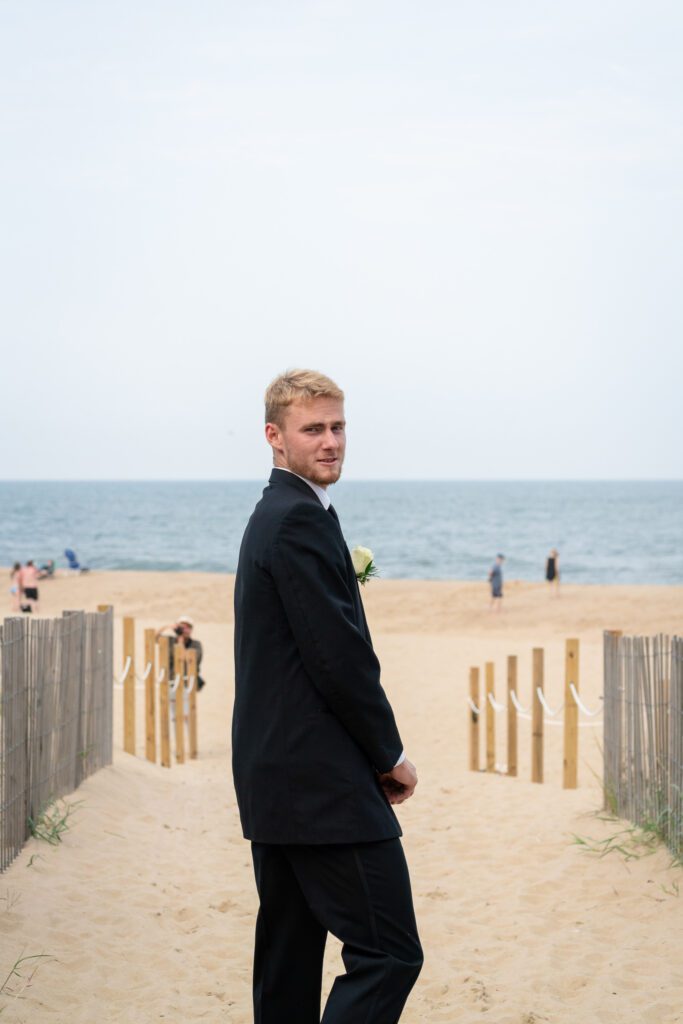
[[181, 632], [552, 569]]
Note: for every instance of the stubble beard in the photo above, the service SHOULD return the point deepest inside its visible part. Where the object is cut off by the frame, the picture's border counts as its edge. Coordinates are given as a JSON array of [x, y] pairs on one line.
[[324, 479], [317, 476]]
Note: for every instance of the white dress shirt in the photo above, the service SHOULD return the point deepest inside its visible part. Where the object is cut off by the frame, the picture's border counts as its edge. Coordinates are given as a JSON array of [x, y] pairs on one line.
[[325, 501]]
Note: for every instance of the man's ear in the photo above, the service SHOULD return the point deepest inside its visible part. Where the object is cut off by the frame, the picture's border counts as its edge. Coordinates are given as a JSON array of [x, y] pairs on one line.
[[274, 438], [273, 435]]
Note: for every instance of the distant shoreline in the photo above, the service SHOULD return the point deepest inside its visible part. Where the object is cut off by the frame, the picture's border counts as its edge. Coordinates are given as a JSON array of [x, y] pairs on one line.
[[509, 583], [356, 480]]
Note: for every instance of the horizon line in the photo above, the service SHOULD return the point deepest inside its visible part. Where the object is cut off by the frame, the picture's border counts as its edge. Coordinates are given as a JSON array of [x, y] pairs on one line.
[[358, 480]]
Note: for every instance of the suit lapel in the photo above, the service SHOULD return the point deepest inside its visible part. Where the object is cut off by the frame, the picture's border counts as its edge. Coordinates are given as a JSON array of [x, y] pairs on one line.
[[280, 478], [350, 571], [353, 581]]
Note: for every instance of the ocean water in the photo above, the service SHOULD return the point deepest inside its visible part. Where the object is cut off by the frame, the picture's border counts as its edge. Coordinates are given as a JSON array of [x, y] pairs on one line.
[[606, 532]]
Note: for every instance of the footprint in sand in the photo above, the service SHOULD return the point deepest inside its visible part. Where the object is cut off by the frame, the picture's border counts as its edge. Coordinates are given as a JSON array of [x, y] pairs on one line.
[[436, 894], [223, 907], [478, 991]]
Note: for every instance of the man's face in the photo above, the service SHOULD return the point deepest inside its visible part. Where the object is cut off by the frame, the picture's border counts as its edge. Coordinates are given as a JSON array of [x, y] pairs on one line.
[[312, 441]]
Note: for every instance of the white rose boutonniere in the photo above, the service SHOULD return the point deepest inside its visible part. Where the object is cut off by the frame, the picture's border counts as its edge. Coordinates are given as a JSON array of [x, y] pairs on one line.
[[363, 564]]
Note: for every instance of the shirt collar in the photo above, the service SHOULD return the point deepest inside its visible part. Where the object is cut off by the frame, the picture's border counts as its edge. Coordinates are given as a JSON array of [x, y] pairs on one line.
[[320, 492]]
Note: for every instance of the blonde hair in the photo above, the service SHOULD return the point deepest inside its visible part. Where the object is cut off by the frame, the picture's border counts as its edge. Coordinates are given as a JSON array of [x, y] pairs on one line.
[[297, 385]]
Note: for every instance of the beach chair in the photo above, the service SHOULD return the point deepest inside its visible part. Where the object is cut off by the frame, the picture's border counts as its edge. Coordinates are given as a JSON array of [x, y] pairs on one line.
[[74, 564]]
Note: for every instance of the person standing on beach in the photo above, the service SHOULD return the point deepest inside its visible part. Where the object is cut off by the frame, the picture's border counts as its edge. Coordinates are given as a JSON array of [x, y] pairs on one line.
[[317, 757], [496, 581], [28, 585], [552, 569]]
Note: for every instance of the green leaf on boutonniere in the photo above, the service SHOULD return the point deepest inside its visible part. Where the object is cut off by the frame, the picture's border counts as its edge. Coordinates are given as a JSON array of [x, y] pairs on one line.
[[363, 564]]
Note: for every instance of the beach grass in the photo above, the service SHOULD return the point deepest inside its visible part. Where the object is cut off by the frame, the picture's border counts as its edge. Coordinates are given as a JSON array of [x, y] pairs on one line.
[[17, 981], [52, 820]]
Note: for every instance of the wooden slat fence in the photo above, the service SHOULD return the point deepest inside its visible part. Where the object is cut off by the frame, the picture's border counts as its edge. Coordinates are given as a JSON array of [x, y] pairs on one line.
[[55, 714], [643, 732]]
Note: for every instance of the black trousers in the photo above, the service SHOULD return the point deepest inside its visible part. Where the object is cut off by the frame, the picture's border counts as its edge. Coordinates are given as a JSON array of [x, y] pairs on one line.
[[359, 892]]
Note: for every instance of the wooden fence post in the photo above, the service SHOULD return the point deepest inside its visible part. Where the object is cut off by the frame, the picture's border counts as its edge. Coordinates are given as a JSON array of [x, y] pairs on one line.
[[191, 661], [474, 720], [613, 724], [512, 715], [164, 710], [571, 716], [150, 685], [537, 717], [179, 704], [129, 685], [489, 689], [103, 607]]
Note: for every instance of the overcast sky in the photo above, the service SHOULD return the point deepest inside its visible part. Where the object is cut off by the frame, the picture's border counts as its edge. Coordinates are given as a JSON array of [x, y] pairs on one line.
[[468, 213]]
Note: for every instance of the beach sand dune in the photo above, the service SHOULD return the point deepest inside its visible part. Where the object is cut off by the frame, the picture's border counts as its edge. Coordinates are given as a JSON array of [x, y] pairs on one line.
[[146, 909]]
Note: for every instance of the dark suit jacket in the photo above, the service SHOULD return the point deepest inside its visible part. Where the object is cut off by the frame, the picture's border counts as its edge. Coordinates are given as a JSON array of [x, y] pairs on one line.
[[311, 723]]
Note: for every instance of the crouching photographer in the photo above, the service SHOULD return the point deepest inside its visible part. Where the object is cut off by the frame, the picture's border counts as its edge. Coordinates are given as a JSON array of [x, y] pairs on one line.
[[180, 632]]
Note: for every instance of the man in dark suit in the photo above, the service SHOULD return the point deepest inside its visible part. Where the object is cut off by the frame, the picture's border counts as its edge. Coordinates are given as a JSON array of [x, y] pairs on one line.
[[317, 757]]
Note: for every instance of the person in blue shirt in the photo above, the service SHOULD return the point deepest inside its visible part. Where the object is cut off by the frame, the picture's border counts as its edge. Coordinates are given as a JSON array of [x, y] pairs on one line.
[[496, 581]]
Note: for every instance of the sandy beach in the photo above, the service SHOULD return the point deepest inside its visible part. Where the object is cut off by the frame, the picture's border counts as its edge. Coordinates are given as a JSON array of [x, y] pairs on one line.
[[146, 909]]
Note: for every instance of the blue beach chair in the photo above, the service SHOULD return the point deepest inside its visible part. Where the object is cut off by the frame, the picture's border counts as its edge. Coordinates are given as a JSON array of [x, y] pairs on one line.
[[74, 564]]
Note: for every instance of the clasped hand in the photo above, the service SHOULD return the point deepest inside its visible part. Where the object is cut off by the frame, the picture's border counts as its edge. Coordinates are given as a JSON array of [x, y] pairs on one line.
[[400, 782]]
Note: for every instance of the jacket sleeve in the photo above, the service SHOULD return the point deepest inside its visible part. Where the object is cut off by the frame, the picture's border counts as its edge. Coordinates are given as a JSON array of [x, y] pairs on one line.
[[309, 570]]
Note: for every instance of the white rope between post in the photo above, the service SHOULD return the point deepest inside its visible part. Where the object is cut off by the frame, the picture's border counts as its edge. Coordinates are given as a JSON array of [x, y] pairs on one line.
[[579, 703], [147, 671], [161, 675], [126, 669], [494, 703], [191, 684], [172, 687], [524, 714], [544, 704], [520, 709]]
